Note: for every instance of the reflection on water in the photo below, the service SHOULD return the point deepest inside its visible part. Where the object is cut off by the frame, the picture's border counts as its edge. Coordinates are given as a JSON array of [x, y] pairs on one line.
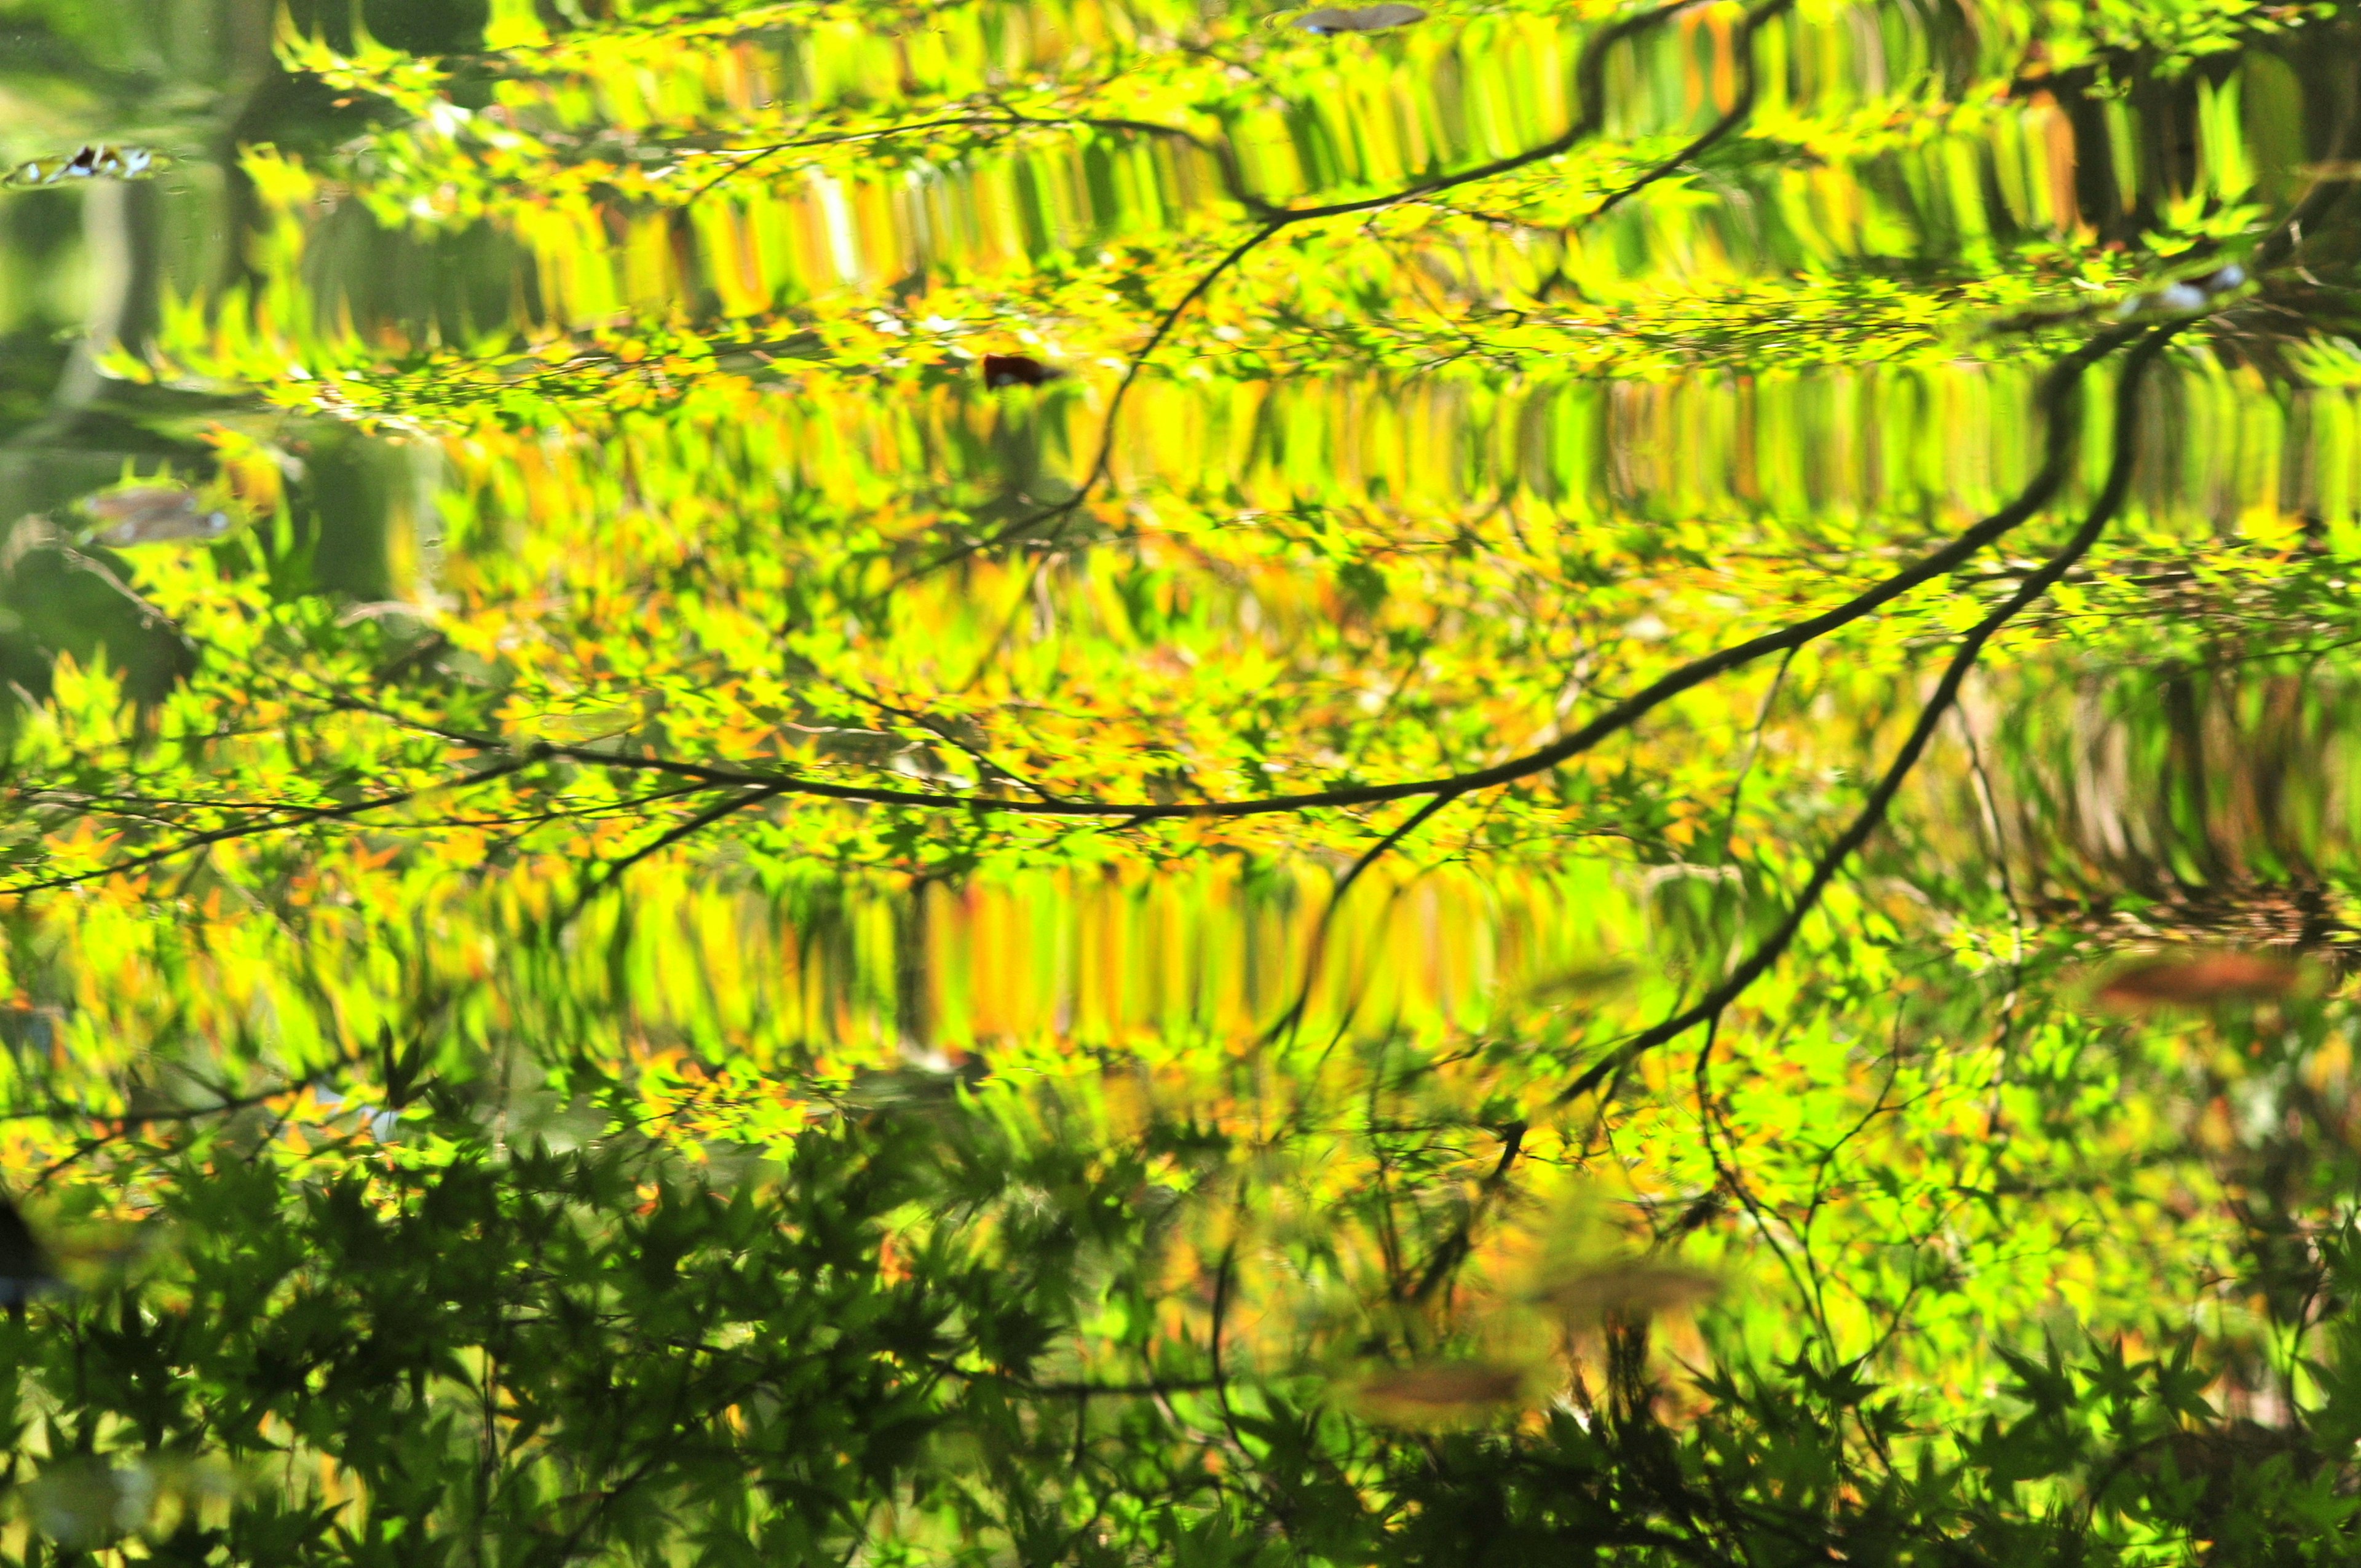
[[711, 194], [553, 661], [634, 217], [2188, 805], [1155, 969], [561, 208]]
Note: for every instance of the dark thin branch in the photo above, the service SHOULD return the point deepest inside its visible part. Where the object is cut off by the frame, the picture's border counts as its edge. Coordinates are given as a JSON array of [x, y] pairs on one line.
[[2058, 407], [1727, 1176], [119, 806], [1453, 1248], [1872, 813], [296, 817], [1318, 944], [1222, 1278], [2064, 422], [126, 1120], [611, 872], [1741, 108], [1105, 458], [1590, 118]]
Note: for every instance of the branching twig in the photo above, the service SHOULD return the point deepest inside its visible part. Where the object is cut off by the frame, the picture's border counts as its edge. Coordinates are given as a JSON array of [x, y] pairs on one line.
[[611, 872], [1590, 118], [294, 817], [1294, 1017], [2059, 406], [1872, 813]]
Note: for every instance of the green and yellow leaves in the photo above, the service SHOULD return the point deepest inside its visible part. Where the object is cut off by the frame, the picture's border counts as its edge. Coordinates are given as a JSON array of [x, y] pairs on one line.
[[642, 990]]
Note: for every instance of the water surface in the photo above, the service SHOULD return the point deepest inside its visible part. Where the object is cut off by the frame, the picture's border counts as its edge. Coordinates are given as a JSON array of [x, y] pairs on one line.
[[585, 406]]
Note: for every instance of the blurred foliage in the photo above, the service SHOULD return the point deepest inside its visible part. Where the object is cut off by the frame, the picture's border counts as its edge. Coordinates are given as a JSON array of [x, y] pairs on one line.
[[650, 916]]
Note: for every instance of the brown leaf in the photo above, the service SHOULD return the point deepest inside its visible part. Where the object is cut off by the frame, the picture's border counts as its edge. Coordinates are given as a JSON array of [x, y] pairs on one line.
[[1016, 370], [1628, 1289], [2199, 980], [1439, 1391], [1582, 981]]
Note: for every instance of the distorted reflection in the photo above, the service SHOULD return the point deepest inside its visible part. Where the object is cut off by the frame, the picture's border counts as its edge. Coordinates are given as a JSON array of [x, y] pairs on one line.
[[1110, 781]]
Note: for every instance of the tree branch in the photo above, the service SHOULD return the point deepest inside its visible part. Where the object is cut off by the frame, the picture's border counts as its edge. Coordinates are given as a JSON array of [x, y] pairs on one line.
[[1872, 813]]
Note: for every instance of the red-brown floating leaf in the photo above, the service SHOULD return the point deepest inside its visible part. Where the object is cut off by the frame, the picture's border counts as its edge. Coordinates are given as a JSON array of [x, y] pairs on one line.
[[1016, 370], [1440, 1390], [1628, 1289], [2199, 980]]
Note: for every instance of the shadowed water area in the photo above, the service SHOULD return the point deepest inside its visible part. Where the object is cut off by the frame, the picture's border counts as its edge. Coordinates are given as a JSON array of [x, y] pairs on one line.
[[1155, 782]]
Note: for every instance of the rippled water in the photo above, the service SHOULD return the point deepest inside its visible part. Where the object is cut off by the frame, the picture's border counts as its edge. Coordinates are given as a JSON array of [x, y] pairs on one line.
[[876, 435], [1735, 431]]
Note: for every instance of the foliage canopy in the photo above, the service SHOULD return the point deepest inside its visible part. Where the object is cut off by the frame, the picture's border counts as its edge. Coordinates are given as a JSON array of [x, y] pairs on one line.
[[1110, 781]]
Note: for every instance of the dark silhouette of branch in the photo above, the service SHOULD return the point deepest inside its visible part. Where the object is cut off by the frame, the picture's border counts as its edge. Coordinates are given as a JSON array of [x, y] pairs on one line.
[[1741, 108], [126, 1120], [293, 817], [1590, 118], [2058, 408], [1590, 72], [611, 872], [1318, 944], [1453, 1248], [1872, 813]]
